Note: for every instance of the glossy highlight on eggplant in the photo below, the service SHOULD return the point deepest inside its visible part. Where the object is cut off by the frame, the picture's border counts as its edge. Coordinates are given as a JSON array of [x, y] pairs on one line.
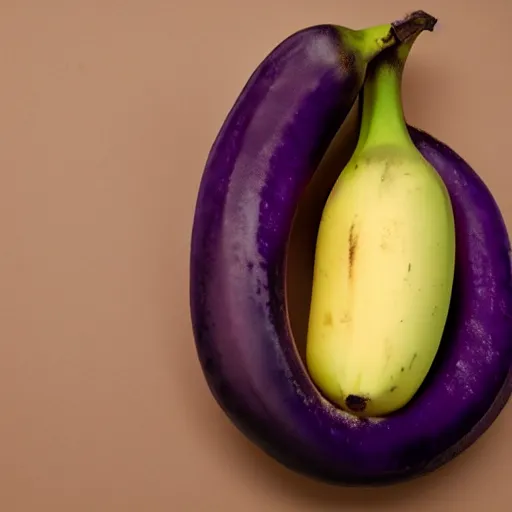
[[261, 162]]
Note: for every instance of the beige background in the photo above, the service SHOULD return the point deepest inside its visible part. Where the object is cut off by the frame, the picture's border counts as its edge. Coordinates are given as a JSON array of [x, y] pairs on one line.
[[107, 112]]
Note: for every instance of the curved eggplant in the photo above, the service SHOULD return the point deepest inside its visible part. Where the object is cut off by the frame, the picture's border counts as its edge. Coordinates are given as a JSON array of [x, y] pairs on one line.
[[261, 162]]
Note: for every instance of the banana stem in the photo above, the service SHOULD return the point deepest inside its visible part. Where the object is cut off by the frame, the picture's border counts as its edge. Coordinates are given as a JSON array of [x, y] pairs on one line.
[[372, 40], [382, 115], [413, 25], [380, 98]]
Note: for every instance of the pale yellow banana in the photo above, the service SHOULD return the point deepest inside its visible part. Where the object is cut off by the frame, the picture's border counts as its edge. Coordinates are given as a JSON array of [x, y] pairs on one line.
[[384, 264]]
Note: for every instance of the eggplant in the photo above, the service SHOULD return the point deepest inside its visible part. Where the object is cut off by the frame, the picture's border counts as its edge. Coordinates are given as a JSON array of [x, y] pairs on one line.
[[260, 164]]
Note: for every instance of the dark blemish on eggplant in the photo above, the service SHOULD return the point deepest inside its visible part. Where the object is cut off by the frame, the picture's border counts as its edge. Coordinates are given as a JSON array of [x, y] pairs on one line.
[[250, 266], [356, 403], [412, 360], [352, 246], [328, 318], [348, 60]]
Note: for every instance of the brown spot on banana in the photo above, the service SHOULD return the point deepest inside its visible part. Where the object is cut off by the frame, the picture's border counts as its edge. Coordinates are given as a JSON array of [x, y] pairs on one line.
[[352, 248], [345, 318], [328, 318]]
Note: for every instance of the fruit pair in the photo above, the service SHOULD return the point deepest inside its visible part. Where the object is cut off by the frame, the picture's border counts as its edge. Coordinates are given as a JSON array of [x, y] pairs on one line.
[[265, 155]]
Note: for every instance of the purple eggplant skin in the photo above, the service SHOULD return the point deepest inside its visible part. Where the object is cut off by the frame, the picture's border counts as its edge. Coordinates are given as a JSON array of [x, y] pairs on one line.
[[261, 162]]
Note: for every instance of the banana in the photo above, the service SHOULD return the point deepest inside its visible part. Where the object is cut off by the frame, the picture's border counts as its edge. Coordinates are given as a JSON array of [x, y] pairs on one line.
[[384, 261]]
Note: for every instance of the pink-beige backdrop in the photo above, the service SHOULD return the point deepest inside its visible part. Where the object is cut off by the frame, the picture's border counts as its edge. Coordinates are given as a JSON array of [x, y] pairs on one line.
[[107, 112]]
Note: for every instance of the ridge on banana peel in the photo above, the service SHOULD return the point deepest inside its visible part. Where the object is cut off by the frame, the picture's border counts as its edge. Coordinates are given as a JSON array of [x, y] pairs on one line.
[[384, 261]]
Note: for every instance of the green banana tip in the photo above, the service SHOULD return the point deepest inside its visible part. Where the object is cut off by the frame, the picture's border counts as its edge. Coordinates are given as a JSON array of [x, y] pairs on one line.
[[412, 25]]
